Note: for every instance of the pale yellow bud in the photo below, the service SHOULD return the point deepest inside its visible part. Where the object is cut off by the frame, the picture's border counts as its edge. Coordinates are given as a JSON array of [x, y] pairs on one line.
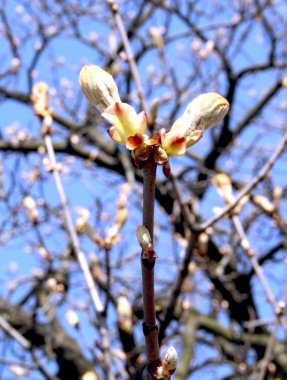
[[160, 155], [284, 82], [51, 283], [15, 64], [128, 126], [82, 220], [264, 203], [40, 99], [281, 308], [277, 193], [90, 375], [192, 268], [205, 111], [31, 208], [99, 87], [18, 370], [112, 236], [203, 240], [97, 273], [156, 34], [29, 203], [44, 253], [124, 311], [202, 113], [121, 217]]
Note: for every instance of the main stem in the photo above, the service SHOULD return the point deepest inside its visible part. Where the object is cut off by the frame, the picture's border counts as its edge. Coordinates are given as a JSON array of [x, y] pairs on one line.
[[147, 265]]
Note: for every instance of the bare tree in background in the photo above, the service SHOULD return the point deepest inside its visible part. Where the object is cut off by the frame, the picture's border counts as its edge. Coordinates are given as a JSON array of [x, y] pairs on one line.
[[71, 198]]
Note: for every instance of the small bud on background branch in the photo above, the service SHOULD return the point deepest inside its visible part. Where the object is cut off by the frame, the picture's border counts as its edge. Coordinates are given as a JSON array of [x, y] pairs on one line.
[[40, 99], [223, 185], [125, 314], [31, 207]]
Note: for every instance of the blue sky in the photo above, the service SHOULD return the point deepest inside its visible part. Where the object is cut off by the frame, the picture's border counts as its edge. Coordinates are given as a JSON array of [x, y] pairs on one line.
[[84, 184]]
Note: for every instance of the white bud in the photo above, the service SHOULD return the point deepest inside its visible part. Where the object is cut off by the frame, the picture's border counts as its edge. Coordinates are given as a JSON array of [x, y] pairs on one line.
[[29, 203], [72, 318], [169, 363], [18, 370], [15, 64], [205, 111], [203, 240], [90, 375], [31, 208], [144, 238]]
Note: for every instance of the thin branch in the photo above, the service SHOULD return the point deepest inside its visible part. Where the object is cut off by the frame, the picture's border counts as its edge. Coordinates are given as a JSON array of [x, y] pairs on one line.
[[268, 353], [13, 333], [246, 190], [259, 272], [251, 255], [71, 228], [99, 307], [183, 207]]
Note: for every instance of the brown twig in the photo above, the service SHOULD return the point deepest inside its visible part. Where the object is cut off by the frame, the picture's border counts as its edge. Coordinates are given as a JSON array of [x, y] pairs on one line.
[[150, 328]]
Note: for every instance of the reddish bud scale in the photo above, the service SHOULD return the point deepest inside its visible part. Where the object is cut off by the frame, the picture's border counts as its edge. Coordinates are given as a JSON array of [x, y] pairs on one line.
[[166, 169], [118, 109], [135, 141]]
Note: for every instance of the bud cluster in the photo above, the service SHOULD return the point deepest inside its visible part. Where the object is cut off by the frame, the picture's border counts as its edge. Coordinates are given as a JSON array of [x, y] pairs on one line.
[[129, 128]]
